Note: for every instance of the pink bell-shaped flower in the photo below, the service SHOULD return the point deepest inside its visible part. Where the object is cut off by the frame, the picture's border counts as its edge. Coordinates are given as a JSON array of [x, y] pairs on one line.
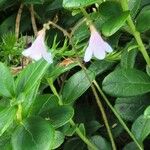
[[97, 47], [38, 49]]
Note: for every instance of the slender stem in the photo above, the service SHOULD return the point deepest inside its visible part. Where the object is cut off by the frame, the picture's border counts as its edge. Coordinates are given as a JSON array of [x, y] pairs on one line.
[[18, 18], [104, 117], [33, 21], [135, 33], [101, 108], [79, 133], [117, 115], [93, 88]]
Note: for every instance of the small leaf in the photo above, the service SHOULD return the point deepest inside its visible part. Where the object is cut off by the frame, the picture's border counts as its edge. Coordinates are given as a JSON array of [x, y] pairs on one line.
[[128, 55], [7, 85], [74, 144], [76, 86], [31, 76], [58, 139], [126, 82], [140, 128], [130, 108], [100, 142], [147, 112], [130, 146], [78, 3], [110, 9], [143, 21], [100, 66], [43, 103], [7, 116], [34, 134], [134, 6], [59, 116], [113, 24]]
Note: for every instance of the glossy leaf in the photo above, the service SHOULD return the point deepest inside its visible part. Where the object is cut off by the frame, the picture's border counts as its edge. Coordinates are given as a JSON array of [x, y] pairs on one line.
[[31, 76], [113, 24], [7, 85], [7, 116], [76, 86], [134, 6], [59, 116], [34, 134], [143, 21], [110, 9], [126, 82], [100, 66], [140, 128], [43, 103], [130, 108], [100, 142], [58, 139]]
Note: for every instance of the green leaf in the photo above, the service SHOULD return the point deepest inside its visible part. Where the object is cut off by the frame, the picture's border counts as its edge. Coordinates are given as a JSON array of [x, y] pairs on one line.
[[113, 24], [59, 116], [8, 24], [143, 21], [100, 142], [57, 70], [44, 103], [74, 144], [58, 139], [140, 128], [100, 66], [126, 82], [31, 76], [130, 146], [7, 85], [7, 116], [76, 86], [33, 134], [110, 9], [78, 3], [128, 55], [134, 6], [147, 112], [130, 108], [4, 4]]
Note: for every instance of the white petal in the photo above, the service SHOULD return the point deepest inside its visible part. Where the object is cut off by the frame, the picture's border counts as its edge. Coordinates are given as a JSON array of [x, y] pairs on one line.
[[27, 52], [99, 53], [88, 54], [108, 48], [33, 54], [48, 57]]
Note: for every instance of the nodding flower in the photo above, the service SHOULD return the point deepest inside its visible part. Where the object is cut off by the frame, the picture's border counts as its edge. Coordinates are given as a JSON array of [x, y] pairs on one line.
[[38, 49], [97, 47]]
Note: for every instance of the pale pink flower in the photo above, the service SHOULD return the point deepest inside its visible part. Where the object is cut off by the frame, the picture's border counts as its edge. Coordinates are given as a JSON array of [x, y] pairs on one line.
[[97, 46], [38, 49]]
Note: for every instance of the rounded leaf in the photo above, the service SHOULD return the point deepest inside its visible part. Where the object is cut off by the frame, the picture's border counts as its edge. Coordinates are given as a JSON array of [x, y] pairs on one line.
[[126, 82], [34, 134]]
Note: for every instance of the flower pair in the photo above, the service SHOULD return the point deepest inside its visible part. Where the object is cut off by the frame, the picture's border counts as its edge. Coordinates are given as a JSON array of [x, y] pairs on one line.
[[97, 47]]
